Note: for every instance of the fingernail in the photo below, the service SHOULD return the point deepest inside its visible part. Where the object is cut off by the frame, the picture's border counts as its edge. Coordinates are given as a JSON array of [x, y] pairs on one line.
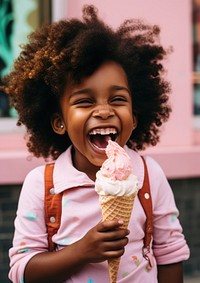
[[120, 221]]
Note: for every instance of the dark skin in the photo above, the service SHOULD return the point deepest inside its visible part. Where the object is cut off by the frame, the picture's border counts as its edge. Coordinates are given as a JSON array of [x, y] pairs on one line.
[[172, 273], [101, 101], [106, 240]]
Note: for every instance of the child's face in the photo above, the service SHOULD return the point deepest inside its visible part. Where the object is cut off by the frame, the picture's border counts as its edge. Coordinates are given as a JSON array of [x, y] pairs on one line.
[[97, 109]]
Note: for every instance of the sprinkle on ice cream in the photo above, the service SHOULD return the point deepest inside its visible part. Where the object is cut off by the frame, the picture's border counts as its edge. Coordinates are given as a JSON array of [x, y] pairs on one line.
[[115, 176]]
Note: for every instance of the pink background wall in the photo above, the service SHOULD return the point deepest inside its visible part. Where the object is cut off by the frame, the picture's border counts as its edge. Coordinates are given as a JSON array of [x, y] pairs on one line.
[[174, 18], [179, 150]]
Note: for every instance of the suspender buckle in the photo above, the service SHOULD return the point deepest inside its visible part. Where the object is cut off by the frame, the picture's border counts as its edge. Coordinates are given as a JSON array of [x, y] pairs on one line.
[[148, 256]]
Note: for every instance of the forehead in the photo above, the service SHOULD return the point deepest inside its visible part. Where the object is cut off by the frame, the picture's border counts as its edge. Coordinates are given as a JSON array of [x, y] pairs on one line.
[[108, 73]]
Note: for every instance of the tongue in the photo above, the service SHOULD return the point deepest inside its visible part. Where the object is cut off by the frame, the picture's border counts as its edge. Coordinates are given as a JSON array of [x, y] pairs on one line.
[[100, 141]]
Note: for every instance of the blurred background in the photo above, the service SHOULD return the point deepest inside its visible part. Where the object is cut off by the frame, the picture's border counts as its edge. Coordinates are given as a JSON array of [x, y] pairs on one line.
[[178, 152]]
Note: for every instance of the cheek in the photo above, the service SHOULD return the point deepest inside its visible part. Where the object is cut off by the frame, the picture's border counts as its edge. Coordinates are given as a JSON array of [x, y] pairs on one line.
[[74, 120], [128, 118], [128, 123]]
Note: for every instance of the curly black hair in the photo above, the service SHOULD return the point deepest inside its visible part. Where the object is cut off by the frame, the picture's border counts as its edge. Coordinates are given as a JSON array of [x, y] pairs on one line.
[[76, 48]]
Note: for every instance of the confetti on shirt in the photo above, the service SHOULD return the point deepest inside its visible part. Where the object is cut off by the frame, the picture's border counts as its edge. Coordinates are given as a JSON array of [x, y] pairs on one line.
[[25, 250], [65, 241], [65, 201], [173, 217], [136, 260], [124, 274], [31, 215]]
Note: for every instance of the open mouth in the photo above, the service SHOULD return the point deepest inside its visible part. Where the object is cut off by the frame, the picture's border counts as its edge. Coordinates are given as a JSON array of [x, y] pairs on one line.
[[99, 137]]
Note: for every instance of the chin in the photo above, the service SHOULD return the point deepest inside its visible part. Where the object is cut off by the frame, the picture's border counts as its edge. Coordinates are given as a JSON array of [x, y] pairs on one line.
[[98, 162]]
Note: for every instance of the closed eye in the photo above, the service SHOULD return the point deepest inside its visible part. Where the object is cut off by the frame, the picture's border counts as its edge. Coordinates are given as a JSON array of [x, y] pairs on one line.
[[118, 99], [85, 102]]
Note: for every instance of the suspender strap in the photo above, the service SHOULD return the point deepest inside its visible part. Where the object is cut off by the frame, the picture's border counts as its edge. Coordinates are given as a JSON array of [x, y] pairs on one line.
[[144, 195], [52, 205]]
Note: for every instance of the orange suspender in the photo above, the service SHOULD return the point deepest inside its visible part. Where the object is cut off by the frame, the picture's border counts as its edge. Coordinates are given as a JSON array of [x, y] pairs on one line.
[[53, 206], [144, 195]]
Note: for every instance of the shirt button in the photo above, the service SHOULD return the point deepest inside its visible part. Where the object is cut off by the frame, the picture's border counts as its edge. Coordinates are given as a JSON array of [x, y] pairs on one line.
[[147, 196], [52, 191], [52, 219]]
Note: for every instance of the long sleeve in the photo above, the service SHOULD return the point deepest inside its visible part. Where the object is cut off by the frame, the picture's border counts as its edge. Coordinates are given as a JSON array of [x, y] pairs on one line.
[[169, 245], [30, 235]]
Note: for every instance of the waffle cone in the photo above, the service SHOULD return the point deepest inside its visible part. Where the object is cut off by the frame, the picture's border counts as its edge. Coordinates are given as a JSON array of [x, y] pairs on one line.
[[116, 208]]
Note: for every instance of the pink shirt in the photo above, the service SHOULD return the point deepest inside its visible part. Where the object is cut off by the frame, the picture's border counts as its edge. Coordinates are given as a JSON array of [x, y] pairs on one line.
[[81, 211]]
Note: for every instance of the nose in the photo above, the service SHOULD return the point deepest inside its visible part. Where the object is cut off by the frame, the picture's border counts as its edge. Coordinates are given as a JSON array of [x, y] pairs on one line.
[[103, 111]]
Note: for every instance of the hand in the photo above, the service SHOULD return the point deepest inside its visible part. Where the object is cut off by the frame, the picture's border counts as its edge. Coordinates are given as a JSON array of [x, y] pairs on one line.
[[104, 241]]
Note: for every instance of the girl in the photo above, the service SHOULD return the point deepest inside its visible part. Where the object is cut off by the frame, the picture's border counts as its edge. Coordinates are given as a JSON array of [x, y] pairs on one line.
[[76, 84]]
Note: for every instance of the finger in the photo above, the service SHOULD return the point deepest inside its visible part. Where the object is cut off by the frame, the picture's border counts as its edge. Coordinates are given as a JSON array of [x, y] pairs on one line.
[[116, 245], [114, 254], [114, 235], [104, 226]]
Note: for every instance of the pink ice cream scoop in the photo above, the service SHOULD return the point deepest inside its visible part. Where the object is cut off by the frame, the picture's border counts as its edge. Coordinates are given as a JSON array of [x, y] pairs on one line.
[[115, 176], [118, 165]]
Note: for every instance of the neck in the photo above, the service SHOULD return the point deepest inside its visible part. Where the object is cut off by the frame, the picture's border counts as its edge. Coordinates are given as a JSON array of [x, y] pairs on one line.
[[84, 165]]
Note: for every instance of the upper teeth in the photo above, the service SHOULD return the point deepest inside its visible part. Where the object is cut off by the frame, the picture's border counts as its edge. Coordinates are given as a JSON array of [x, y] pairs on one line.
[[103, 131]]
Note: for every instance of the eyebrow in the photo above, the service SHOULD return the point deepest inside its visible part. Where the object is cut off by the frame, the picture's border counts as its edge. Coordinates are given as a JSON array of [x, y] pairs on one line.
[[118, 87], [81, 91], [89, 90]]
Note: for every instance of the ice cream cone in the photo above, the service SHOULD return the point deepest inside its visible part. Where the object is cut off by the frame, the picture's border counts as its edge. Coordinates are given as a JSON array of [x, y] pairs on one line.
[[117, 188], [116, 207]]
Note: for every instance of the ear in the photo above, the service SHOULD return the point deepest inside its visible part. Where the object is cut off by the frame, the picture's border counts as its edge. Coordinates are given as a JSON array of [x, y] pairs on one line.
[[57, 124]]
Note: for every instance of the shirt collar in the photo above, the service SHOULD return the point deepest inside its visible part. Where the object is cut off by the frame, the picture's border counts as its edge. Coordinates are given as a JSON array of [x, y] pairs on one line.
[[66, 176]]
